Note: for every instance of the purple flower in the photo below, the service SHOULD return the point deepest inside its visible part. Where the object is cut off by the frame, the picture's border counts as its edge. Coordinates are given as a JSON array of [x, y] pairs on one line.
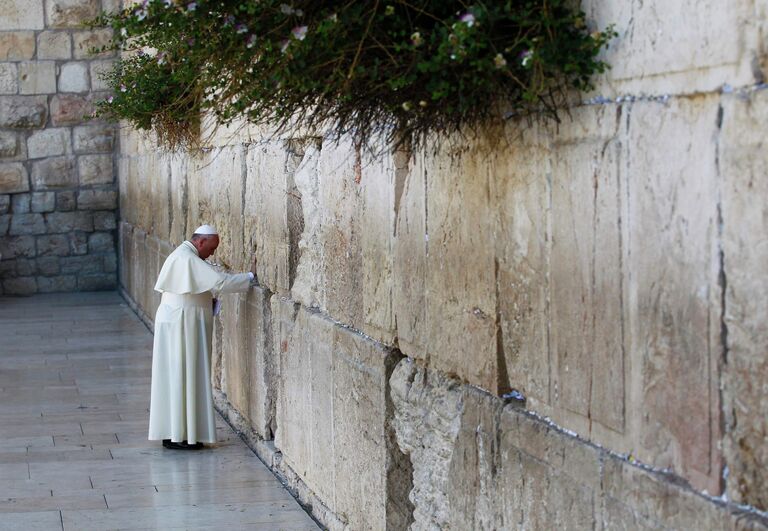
[[525, 57], [123, 88], [299, 32], [191, 6], [110, 99], [241, 28], [229, 20], [468, 19]]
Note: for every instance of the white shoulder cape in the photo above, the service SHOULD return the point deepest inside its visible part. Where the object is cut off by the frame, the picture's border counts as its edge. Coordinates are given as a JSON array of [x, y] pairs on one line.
[[184, 272]]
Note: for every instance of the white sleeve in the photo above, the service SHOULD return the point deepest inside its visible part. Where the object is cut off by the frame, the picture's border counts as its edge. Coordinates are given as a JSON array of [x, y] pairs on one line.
[[228, 283]]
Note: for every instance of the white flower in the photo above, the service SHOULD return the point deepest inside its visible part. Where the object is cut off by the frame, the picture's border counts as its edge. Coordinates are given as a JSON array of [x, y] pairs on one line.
[[299, 32], [468, 19], [285, 9], [407, 106], [110, 99], [123, 88], [525, 57], [416, 39], [284, 45], [251, 41], [123, 32], [499, 61]]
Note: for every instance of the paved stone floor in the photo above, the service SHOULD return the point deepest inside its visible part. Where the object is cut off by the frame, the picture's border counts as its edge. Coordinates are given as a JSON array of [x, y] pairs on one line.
[[74, 398]]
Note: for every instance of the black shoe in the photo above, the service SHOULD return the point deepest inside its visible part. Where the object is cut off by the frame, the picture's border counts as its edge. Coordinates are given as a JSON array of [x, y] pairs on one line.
[[167, 443]]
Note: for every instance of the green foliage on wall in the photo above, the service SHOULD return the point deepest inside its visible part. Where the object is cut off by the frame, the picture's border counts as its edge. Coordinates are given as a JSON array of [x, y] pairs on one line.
[[407, 69]]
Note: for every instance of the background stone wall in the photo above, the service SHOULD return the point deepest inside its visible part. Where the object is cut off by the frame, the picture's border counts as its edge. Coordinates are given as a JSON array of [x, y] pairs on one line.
[[611, 269], [58, 192]]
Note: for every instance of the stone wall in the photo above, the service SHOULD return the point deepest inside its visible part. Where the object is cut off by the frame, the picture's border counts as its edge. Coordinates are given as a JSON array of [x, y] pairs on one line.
[[610, 269], [58, 193]]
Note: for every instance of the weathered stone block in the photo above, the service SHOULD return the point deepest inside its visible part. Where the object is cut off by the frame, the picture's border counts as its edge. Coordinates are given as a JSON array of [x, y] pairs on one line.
[[23, 112], [673, 318], [5, 204], [9, 144], [25, 267], [81, 265], [73, 77], [54, 45], [21, 203], [48, 143], [52, 173], [22, 224], [47, 265], [109, 263], [17, 45], [9, 78], [70, 13], [744, 174], [78, 243], [97, 199], [5, 223], [97, 71], [461, 307], [99, 282], [38, 77], [53, 245], [95, 169], [20, 286], [21, 15], [85, 41], [13, 178], [61, 222], [93, 139], [101, 242], [104, 220], [17, 246], [43, 202], [66, 201], [70, 109], [56, 284]]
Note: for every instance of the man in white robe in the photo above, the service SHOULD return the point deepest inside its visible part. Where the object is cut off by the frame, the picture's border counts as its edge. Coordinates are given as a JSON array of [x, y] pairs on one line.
[[181, 410]]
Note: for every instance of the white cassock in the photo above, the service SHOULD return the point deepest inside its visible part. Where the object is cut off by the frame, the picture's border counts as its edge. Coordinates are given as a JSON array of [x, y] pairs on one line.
[[181, 404]]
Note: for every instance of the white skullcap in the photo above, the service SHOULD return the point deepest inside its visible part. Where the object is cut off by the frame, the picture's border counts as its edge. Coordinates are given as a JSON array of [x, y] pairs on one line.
[[206, 230]]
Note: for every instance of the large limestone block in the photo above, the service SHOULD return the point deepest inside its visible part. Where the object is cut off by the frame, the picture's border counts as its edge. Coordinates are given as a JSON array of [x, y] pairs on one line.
[[269, 191], [461, 305], [744, 174], [37, 77], [587, 348], [262, 363], [17, 45], [409, 295], [96, 169], [74, 77], [673, 312], [332, 414], [54, 45], [70, 109], [235, 356], [307, 285], [23, 112], [656, 54], [215, 196], [10, 146], [93, 139], [341, 230], [160, 196], [382, 176], [86, 42], [21, 15], [49, 143], [522, 196], [9, 78], [179, 169], [305, 405]]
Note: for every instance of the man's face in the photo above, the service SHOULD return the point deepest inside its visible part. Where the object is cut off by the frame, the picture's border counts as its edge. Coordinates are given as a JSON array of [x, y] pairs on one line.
[[207, 246]]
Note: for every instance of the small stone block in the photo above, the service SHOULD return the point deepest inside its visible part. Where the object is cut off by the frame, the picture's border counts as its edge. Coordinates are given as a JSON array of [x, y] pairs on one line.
[[48, 143], [85, 41], [23, 112], [56, 172], [17, 45], [13, 178], [54, 45], [56, 284], [23, 224], [78, 243], [97, 200], [61, 222], [48, 265], [104, 220], [25, 267], [21, 15], [73, 77], [81, 265], [5, 223], [101, 242], [9, 144], [70, 13], [20, 286], [95, 169], [70, 109], [21, 203], [93, 139], [9, 78], [37, 77], [53, 244], [98, 69], [5, 204], [18, 246], [66, 201], [43, 202]]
